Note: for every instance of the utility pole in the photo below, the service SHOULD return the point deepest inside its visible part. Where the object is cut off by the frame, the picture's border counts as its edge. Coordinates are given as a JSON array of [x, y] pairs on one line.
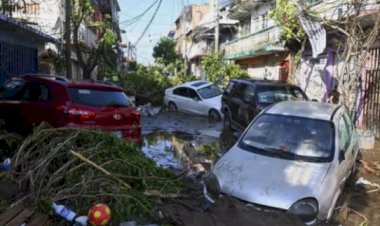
[[217, 26], [68, 38]]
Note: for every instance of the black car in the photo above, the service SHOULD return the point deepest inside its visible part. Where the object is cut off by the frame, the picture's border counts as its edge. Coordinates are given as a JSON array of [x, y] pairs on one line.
[[243, 99]]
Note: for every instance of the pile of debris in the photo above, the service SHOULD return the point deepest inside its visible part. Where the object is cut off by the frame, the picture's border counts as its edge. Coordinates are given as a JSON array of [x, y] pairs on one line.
[[82, 167]]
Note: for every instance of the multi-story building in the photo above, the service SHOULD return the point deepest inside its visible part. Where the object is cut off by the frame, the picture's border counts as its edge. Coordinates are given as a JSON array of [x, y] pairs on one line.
[[188, 20], [257, 46], [48, 16], [198, 40], [19, 47]]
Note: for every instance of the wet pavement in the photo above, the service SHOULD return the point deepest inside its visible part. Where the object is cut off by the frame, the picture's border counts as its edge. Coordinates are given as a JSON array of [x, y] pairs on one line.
[[179, 141]]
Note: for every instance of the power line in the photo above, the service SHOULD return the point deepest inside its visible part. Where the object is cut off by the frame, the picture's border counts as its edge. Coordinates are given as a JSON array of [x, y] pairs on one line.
[[138, 17], [150, 22]]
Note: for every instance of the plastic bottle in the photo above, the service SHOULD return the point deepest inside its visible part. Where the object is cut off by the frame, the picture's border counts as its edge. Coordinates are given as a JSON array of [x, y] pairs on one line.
[[69, 215], [6, 165], [64, 212]]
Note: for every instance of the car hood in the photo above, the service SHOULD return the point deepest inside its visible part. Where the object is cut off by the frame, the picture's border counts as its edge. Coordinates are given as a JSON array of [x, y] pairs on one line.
[[215, 102], [267, 180]]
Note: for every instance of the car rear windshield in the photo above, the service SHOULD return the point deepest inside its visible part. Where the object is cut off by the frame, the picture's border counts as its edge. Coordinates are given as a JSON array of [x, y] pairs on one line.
[[210, 91], [274, 94], [99, 98], [291, 138]]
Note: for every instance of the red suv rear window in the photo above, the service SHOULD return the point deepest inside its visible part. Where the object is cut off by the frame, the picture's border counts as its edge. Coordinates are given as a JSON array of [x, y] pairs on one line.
[[99, 98]]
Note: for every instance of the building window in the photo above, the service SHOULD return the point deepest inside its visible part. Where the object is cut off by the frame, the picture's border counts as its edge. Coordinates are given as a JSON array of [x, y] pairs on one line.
[[29, 8], [260, 22], [245, 27]]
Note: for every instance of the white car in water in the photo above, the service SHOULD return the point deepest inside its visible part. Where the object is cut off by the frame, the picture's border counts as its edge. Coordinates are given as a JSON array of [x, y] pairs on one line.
[[197, 97]]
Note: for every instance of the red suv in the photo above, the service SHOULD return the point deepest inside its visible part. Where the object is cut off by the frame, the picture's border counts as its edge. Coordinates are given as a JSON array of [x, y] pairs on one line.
[[28, 100]]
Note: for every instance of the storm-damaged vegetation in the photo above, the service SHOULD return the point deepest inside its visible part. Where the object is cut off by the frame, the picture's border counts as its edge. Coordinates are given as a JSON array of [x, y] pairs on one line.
[[81, 167]]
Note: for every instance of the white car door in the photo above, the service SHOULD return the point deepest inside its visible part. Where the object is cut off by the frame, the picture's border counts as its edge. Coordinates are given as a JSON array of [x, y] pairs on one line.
[[180, 98], [345, 149], [196, 104]]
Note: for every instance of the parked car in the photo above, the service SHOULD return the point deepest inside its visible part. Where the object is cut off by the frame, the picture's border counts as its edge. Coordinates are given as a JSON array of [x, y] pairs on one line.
[[243, 99], [198, 97], [28, 100], [294, 157]]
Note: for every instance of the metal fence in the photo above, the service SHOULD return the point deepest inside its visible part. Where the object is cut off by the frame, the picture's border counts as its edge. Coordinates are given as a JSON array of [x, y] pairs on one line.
[[372, 94], [16, 60]]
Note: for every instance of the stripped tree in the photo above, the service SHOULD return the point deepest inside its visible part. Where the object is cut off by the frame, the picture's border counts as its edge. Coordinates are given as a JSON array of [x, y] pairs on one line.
[[353, 27]]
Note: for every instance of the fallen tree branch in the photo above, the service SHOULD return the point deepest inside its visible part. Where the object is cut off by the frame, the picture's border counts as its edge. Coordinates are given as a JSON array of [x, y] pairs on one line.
[[91, 163]]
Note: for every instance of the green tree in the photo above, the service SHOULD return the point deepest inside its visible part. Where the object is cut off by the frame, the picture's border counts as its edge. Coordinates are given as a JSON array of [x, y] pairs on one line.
[[147, 83], [91, 56], [164, 51], [285, 15], [218, 72]]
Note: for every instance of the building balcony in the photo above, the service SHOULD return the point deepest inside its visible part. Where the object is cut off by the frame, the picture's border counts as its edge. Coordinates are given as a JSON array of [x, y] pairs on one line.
[[336, 10], [199, 49], [263, 42], [243, 8], [87, 36]]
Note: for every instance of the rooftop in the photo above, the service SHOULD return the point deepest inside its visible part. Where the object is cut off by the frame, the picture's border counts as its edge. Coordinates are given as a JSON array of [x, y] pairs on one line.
[[305, 109]]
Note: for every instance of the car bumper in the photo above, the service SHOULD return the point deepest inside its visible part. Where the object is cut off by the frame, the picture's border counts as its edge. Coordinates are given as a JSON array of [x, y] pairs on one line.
[[129, 132]]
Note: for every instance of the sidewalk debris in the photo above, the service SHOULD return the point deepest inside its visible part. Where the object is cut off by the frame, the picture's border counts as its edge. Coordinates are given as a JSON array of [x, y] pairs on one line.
[[362, 181], [149, 110], [69, 215]]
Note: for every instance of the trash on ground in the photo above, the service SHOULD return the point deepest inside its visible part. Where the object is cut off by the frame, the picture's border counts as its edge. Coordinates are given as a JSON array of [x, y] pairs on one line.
[[362, 181], [149, 110], [366, 140], [83, 167]]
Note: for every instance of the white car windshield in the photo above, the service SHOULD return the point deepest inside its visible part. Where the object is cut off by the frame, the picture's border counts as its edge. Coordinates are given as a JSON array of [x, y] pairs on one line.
[[290, 137], [210, 91]]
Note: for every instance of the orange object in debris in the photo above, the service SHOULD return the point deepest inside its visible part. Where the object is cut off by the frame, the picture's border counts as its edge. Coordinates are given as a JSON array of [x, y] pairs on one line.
[[99, 214]]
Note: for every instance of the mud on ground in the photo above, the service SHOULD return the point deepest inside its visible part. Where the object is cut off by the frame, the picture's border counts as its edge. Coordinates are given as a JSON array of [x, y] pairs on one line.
[[363, 202], [356, 205]]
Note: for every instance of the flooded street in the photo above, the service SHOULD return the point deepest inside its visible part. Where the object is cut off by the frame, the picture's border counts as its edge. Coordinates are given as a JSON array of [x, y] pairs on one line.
[[188, 143], [179, 141]]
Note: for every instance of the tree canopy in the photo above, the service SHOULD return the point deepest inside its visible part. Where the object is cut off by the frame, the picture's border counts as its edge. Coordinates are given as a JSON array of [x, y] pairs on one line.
[[164, 51]]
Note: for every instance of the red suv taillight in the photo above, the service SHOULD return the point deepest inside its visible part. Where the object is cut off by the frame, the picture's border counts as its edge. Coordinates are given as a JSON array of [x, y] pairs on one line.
[[76, 113]]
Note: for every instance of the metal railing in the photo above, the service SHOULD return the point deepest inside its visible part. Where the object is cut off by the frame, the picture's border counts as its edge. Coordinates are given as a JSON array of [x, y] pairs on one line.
[[254, 41]]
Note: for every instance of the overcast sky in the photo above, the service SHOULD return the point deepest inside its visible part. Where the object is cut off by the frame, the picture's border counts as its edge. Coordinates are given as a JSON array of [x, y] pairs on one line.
[[163, 23]]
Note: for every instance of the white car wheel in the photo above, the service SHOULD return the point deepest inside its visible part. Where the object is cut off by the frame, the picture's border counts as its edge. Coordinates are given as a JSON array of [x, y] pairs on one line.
[[172, 107], [214, 114]]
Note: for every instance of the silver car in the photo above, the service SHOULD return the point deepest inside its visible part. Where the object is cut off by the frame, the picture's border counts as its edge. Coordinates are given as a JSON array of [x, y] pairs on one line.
[[294, 157]]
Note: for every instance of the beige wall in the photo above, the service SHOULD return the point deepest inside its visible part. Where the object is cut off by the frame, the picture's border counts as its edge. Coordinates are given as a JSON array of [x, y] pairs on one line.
[[261, 67], [190, 17]]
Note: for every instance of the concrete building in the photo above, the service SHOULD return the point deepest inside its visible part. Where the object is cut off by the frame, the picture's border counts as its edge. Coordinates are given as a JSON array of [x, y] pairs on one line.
[[48, 16], [318, 75], [257, 46], [195, 33], [188, 20], [19, 47]]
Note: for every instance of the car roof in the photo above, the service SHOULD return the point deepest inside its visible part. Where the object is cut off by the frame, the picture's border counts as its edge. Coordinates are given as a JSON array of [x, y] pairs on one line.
[[93, 84], [305, 109], [261, 81], [196, 84]]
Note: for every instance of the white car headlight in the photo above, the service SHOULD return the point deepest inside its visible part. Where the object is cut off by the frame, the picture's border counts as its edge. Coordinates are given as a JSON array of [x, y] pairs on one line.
[[306, 209]]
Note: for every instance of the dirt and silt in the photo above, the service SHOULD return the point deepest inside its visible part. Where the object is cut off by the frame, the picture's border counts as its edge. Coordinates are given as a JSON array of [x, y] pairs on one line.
[[180, 141]]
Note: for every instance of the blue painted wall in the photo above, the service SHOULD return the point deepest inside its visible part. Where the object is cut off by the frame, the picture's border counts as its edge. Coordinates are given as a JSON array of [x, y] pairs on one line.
[[16, 60]]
